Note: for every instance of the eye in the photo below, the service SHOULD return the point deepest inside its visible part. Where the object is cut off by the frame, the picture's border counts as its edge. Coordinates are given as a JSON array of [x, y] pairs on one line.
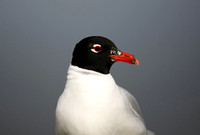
[[96, 48]]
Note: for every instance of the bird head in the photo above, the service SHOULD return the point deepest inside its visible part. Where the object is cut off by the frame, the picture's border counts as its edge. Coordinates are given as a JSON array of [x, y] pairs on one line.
[[98, 54]]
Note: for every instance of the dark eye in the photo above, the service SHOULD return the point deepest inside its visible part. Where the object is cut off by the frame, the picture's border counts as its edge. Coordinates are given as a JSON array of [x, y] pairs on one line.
[[96, 48]]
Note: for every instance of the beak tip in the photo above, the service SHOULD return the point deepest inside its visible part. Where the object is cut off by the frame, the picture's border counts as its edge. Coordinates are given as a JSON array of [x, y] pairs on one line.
[[136, 61]]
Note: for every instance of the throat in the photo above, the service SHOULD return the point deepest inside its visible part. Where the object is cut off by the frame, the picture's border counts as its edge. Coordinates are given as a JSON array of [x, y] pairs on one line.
[[97, 68], [90, 87], [100, 69]]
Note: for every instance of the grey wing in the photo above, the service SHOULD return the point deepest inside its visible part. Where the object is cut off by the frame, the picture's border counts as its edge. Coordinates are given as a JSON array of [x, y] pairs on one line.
[[132, 102], [134, 105]]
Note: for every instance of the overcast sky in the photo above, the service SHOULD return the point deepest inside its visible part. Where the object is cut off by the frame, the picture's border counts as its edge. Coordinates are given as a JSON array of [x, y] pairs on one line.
[[37, 38]]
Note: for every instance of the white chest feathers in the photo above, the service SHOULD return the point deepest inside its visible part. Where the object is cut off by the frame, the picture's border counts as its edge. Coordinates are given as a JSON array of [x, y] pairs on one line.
[[92, 104]]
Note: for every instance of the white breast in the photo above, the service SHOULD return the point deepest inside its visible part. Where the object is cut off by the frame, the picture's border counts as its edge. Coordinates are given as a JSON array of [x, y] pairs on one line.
[[92, 104]]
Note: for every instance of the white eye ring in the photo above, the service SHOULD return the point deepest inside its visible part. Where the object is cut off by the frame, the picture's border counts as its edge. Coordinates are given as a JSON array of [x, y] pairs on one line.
[[96, 48]]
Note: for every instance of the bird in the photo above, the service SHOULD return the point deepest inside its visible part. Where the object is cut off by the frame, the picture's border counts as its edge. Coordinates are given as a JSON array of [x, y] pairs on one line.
[[92, 103]]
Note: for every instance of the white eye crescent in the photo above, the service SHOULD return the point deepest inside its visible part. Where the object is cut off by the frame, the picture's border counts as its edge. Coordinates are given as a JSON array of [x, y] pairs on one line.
[[96, 48]]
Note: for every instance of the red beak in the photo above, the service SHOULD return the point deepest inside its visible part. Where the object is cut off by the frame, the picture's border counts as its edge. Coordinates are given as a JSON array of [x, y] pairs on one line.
[[125, 57]]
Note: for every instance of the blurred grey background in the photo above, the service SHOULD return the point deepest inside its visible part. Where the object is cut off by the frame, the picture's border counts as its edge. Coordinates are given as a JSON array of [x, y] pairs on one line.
[[37, 38]]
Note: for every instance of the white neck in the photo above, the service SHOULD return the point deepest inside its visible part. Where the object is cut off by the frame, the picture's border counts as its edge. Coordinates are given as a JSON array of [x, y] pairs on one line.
[[91, 104], [96, 85]]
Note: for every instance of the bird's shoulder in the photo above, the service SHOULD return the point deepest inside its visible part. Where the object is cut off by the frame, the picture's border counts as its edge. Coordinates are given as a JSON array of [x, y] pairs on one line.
[[132, 102]]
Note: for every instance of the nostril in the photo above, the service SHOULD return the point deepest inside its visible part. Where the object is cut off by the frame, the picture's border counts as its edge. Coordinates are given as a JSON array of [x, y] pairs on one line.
[[130, 56]]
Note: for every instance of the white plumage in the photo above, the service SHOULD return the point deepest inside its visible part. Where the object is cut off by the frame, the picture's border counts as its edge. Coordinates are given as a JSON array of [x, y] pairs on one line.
[[93, 104]]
